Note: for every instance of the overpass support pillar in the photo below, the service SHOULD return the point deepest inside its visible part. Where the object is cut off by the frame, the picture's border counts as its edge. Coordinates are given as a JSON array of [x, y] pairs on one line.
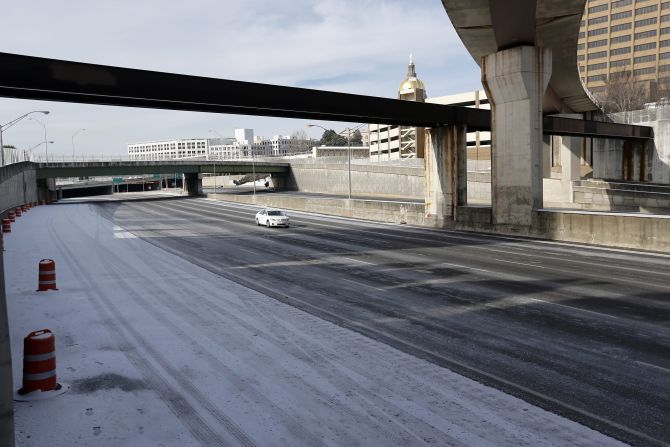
[[278, 181], [571, 157], [193, 184], [515, 80], [445, 181]]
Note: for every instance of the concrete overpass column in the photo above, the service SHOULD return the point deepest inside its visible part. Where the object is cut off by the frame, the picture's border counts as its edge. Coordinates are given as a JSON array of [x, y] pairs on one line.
[[515, 80], [193, 183], [571, 156], [445, 181]]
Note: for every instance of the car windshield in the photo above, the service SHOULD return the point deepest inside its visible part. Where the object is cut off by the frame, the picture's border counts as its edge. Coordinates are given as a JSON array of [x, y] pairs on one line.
[[275, 213]]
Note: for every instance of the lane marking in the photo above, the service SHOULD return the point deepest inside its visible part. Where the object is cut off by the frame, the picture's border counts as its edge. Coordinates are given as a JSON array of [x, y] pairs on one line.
[[576, 308], [653, 366], [362, 284], [361, 262]]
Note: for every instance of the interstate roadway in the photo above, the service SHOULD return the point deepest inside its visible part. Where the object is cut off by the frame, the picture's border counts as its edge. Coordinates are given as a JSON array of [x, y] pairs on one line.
[[581, 331]]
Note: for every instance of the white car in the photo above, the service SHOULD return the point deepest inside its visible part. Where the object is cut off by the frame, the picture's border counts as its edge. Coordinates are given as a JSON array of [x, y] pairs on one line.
[[272, 218]]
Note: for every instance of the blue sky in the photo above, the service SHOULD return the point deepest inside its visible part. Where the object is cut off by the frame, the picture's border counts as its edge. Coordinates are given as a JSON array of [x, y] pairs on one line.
[[349, 46]]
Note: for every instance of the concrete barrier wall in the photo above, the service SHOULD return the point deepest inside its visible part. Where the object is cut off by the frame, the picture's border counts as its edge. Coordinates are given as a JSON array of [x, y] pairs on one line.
[[609, 229], [18, 185]]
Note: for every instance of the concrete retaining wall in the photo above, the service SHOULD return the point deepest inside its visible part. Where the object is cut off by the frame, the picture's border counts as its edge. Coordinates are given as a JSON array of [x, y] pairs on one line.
[[369, 180], [18, 185]]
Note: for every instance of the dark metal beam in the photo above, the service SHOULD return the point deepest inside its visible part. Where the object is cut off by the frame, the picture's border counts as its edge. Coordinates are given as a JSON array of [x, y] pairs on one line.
[[554, 125], [29, 77]]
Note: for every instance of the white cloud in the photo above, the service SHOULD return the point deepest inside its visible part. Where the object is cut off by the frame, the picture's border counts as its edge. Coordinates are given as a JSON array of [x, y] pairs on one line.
[[340, 45]]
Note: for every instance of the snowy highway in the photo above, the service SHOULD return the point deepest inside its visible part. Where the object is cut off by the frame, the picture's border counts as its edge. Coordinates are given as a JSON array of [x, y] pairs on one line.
[[181, 323]]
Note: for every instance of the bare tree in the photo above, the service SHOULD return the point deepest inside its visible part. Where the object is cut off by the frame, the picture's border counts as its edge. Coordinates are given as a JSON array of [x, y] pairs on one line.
[[300, 135], [623, 92]]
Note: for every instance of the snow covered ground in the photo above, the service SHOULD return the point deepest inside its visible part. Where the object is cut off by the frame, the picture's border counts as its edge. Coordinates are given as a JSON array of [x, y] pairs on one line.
[[159, 352]]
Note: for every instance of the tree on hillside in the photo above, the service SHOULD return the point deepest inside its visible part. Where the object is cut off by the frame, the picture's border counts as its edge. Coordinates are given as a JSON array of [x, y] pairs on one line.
[[356, 138], [332, 138]]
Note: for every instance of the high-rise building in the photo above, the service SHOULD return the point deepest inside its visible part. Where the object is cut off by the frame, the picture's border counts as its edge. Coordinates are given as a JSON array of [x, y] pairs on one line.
[[624, 39], [394, 142]]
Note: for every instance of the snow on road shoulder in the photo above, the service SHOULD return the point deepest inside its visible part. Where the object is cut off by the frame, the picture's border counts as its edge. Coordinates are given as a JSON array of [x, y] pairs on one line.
[[161, 352]]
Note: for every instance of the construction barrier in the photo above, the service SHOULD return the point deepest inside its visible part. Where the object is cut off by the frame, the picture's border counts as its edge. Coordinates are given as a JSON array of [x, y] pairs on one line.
[[24, 208], [47, 276], [18, 212], [44, 202], [39, 362], [11, 216], [6, 226]]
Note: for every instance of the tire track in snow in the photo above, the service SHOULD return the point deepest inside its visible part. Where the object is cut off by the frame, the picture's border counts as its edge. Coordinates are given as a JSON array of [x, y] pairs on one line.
[[179, 405]]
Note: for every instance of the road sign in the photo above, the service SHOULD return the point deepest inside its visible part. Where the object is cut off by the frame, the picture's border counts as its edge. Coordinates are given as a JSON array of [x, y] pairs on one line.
[[117, 180], [157, 176]]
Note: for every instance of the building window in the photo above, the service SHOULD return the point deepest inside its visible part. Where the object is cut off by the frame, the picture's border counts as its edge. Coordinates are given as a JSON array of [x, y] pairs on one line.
[[597, 20], [597, 55], [620, 74], [646, 9], [580, 46], [644, 71], [664, 43], [597, 32], [620, 39], [599, 66], [663, 68], [597, 43], [619, 63], [621, 3], [642, 59], [663, 56], [620, 27], [599, 8], [621, 15], [645, 22], [616, 51], [596, 78], [645, 34], [580, 57], [645, 46]]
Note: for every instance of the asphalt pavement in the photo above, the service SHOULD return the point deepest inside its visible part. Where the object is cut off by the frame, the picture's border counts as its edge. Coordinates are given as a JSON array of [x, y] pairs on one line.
[[581, 331]]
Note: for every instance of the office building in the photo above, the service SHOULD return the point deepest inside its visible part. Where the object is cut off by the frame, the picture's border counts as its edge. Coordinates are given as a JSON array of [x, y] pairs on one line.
[[624, 39]]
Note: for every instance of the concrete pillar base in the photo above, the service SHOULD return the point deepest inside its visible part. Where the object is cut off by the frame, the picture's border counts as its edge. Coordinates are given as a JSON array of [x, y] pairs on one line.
[[193, 184]]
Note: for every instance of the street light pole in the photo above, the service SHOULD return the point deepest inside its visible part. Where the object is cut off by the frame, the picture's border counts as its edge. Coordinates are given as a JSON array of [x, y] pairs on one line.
[[74, 135], [6, 126], [46, 146], [349, 131]]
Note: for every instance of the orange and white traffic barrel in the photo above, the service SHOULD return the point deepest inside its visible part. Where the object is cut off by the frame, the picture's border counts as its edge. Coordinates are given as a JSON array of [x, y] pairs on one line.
[[6, 226], [39, 362], [47, 276], [11, 216], [18, 212], [24, 208]]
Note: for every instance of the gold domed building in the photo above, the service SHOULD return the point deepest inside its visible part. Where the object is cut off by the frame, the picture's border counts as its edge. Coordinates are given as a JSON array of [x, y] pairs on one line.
[[395, 142]]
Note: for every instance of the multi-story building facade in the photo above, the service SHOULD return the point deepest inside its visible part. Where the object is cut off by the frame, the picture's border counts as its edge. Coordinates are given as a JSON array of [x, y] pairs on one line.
[[169, 149], [624, 39], [243, 145]]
